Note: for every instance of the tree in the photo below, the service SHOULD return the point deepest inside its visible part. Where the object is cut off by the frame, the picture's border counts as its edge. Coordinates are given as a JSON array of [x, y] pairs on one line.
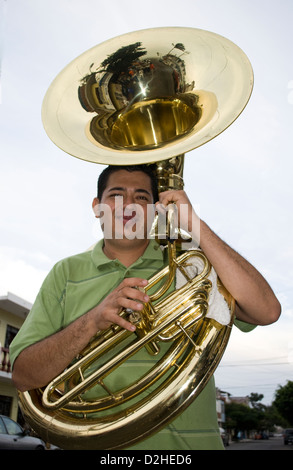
[[123, 58], [258, 417], [254, 398], [241, 417], [284, 401], [272, 418]]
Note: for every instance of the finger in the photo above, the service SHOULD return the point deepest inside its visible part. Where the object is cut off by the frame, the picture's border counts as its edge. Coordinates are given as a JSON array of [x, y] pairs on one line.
[[133, 282], [130, 304], [161, 208], [120, 321], [134, 294], [168, 195], [177, 196], [125, 324]]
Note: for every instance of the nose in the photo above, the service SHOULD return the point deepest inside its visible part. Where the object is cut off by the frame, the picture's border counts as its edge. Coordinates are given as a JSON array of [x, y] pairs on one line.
[[128, 199]]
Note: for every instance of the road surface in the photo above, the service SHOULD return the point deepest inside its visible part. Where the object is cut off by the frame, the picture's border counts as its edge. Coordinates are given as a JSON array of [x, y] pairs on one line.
[[273, 443]]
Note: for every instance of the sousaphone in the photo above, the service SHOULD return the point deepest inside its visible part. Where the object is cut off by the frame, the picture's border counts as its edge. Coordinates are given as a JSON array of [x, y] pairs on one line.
[[146, 97]]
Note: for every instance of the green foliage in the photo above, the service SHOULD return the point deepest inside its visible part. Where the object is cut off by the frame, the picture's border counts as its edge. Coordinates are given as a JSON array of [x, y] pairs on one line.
[[120, 60], [257, 417], [241, 417], [284, 401]]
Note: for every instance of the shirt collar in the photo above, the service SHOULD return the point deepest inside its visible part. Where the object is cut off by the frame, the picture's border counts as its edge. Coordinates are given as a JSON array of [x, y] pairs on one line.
[[152, 252]]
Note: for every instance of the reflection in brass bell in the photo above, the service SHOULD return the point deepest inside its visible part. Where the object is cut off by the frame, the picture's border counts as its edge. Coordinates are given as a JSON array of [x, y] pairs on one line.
[[130, 101]]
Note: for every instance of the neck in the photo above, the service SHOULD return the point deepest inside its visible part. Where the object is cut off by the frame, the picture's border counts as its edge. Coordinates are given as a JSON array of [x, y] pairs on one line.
[[126, 251]]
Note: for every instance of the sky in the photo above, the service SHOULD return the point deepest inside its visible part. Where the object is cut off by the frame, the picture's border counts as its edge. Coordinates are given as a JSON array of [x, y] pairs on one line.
[[241, 180]]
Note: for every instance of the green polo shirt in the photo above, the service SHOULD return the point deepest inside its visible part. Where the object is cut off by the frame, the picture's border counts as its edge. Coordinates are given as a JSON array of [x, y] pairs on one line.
[[77, 284]]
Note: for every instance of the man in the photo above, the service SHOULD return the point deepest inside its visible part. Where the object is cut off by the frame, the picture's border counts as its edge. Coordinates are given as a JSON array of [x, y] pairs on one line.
[[86, 293]]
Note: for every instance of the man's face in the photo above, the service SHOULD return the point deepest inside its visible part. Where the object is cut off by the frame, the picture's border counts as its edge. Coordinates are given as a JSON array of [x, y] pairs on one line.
[[126, 203]]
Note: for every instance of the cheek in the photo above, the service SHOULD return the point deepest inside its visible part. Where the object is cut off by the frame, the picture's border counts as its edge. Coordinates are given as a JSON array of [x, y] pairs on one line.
[[111, 206]]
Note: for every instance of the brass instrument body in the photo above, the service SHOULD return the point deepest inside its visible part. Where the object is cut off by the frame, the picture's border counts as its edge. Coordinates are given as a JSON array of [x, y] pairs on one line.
[[179, 321]]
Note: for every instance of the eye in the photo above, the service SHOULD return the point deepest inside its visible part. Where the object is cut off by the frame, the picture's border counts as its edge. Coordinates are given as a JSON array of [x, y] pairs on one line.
[[144, 198]]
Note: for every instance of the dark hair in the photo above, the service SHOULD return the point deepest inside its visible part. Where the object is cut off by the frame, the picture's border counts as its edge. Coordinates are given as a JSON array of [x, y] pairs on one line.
[[147, 169]]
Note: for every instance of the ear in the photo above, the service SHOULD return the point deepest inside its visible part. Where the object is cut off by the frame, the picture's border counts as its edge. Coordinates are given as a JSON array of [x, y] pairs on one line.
[[95, 206]]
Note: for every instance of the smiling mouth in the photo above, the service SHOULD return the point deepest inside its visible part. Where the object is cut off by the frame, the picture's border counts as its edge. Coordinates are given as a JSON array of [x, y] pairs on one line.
[[126, 218]]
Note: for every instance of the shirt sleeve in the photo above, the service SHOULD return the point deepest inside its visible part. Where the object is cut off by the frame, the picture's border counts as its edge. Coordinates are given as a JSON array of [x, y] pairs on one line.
[[243, 326], [44, 319]]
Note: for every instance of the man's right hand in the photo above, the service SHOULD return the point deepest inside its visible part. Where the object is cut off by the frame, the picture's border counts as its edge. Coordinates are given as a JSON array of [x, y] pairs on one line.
[[126, 295], [39, 363]]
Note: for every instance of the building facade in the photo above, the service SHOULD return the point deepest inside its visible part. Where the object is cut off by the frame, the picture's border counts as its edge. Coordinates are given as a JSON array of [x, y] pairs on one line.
[[13, 312]]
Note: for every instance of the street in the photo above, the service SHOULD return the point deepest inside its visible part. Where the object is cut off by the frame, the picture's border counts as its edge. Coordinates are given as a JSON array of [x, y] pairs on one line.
[[273, 443]]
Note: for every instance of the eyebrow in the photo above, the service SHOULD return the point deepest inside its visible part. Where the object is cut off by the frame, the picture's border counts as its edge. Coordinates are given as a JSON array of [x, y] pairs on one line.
[[139, 190]]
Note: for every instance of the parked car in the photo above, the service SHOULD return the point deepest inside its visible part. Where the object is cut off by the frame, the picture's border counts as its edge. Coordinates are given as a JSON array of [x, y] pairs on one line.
[[288, 436], [261, 435], [13, 436]]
